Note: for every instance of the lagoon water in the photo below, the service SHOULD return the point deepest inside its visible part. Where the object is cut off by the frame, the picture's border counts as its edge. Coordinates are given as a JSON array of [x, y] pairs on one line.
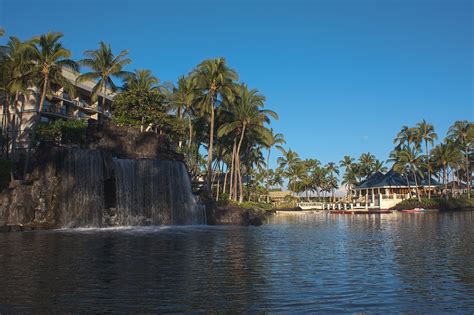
[[411, 263]]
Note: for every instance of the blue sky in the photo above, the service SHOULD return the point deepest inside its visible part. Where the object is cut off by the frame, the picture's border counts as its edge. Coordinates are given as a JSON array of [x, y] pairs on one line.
[[344, 76]]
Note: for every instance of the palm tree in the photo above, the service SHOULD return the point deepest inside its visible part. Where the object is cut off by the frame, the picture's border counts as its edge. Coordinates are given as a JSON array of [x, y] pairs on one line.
[[366, 162], [409, 160], [346, 162], [379, 167], [461, 133], [350, 180], [49, 57], [276, 140], [426, 133], [332, 169], [16, 68], [183, 99], [247, 113], [2, 31], [214, 79], [287, 162], [141, 80], [104, 66], [444, 155], [406, 136]]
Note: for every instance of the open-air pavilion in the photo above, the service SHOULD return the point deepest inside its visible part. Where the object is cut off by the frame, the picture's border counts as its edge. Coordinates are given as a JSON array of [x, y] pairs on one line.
[[383, 191]]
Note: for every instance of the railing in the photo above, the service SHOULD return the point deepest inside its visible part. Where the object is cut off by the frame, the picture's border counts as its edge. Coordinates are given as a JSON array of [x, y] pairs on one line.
[[54, 109]]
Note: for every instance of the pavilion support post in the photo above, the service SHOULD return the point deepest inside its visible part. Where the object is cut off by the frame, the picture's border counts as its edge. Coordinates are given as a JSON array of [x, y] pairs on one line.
[[366, 199]]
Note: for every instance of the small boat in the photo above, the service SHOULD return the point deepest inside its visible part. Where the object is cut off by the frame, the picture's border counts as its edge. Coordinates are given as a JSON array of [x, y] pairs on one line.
[[416, 210], [311, 205]]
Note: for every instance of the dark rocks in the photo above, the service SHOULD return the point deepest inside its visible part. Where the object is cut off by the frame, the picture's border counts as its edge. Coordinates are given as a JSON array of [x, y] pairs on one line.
[[130, 143], [235, 215]]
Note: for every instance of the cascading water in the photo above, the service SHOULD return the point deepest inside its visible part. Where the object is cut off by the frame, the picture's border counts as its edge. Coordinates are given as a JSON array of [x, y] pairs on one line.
[[154, 192], [82, 188], [145, 192]]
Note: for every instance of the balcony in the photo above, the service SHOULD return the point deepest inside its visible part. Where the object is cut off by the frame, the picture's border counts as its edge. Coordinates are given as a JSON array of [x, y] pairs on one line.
[[56, 110]]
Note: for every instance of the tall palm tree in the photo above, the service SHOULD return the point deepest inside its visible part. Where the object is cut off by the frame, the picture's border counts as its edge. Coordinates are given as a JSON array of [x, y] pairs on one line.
[[332, 169], [104, 66], [346, 162], [247, 113], [15, 78], [277, 140], [2, 32], [287, 162], [183, 99], [214, 79], [49, 57], [427, 134], [350, 180], [406, 136], [444, 155], [366, 161], [409, 160], [461, 133]]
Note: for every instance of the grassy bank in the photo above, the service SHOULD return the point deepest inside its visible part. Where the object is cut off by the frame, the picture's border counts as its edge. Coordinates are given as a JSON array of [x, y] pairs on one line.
[[440, 204]]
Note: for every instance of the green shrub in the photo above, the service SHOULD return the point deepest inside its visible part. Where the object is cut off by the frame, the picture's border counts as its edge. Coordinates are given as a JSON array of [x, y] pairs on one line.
[[256, 205], [438, 203], [223, 199], [63, 131]]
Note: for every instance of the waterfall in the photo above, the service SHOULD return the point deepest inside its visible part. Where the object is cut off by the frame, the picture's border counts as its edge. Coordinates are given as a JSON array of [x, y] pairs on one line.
[[144, 192], [82, 188], [154, 192]]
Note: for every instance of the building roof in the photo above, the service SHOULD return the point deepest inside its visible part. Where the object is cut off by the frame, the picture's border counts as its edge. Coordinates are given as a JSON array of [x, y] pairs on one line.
[[279, 194], [393, 179]]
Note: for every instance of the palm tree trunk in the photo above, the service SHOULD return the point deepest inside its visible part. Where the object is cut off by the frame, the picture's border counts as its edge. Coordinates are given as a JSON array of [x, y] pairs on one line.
[[225, 179], [210, 148], [468, 176], [190, 133], [16, 125], [238, 159], [104, 98], [429, 171], [219, 172], [232, 167], [416, 186], [409, 187], [445, 179], [34, 127]]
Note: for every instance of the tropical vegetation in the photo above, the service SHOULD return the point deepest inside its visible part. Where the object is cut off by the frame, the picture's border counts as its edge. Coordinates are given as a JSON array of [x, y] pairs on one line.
[[222, 126]]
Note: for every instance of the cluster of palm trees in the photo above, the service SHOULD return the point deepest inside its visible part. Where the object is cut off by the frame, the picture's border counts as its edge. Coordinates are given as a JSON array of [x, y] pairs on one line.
[[453, 157], [414, 156], [310, 176], [221, 114]]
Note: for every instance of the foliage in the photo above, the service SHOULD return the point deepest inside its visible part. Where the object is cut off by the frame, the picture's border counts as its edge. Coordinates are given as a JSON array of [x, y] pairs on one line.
[[104, 65], [259, 206], [142, 108], [63, 131], [440, 204]]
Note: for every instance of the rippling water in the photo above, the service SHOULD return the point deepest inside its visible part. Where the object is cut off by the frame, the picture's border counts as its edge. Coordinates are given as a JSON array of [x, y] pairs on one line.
[[414, 263]]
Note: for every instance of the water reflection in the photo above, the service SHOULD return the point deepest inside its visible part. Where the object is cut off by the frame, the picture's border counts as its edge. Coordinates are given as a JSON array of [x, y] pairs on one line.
[[397, 262]]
